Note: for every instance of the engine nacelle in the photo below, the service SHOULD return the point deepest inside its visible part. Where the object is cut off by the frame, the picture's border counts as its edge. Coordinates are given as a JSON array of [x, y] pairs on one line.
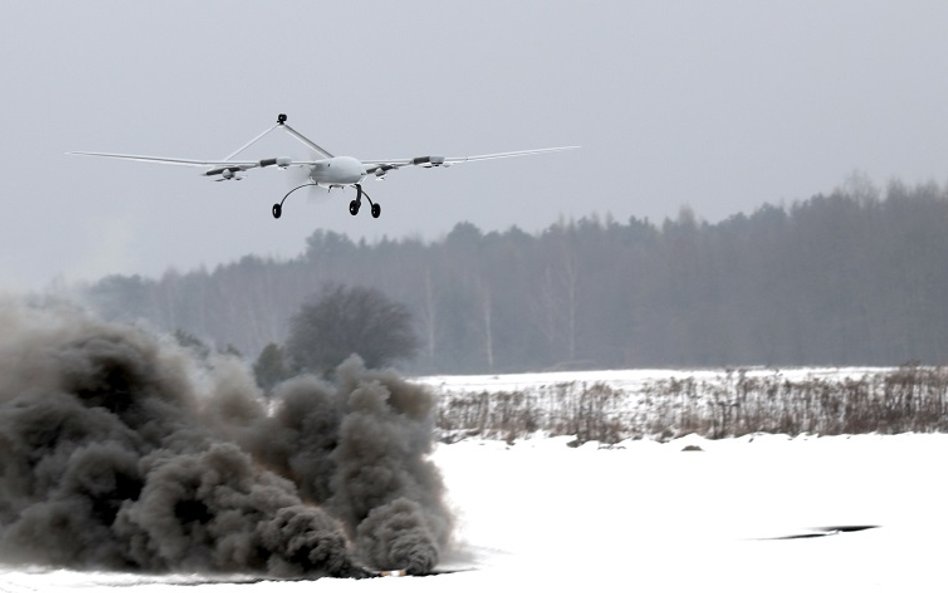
[[224, 172], [381, 170], [428, 161], [281, 161]]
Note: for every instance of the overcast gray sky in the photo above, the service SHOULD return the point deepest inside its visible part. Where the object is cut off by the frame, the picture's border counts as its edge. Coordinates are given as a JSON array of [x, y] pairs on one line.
[[718, 105]]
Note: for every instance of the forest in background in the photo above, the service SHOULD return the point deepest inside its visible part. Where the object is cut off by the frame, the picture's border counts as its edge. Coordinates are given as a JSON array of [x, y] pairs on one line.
[[858, 276]]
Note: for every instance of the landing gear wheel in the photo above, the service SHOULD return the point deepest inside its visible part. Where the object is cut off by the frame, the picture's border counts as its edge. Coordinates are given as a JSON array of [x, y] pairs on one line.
[[277, 210], [376, 210], [354, 207]]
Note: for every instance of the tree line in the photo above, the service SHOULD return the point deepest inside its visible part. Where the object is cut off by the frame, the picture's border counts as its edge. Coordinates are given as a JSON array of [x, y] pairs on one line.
[[730, 403], [858, 276]]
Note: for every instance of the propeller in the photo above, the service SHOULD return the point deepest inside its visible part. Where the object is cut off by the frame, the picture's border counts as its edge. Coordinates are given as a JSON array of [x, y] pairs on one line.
[[298, 175]]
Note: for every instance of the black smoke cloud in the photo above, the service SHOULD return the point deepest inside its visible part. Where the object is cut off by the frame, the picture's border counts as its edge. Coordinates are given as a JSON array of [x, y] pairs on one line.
[[120, 451]]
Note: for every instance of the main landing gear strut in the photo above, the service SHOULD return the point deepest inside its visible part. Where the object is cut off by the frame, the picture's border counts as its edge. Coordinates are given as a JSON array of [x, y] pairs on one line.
[[354, 205]]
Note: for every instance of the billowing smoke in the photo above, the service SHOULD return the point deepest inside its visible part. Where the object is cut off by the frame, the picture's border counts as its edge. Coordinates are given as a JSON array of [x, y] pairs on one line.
[[119, 451]]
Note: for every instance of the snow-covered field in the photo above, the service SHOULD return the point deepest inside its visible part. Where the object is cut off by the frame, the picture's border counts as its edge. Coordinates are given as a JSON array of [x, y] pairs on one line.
[[649, 516], [654, 517]]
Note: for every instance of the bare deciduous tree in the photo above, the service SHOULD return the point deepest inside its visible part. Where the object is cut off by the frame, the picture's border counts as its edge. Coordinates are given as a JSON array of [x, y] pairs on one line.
[[342, 321]]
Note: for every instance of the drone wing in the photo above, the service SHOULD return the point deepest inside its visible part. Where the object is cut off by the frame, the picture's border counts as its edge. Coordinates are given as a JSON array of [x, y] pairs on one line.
[[380, 167], [226, 168], [168, 160]]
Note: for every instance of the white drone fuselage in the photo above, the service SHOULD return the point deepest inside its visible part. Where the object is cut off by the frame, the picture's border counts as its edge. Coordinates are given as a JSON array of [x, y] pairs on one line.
[[339, 171]]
